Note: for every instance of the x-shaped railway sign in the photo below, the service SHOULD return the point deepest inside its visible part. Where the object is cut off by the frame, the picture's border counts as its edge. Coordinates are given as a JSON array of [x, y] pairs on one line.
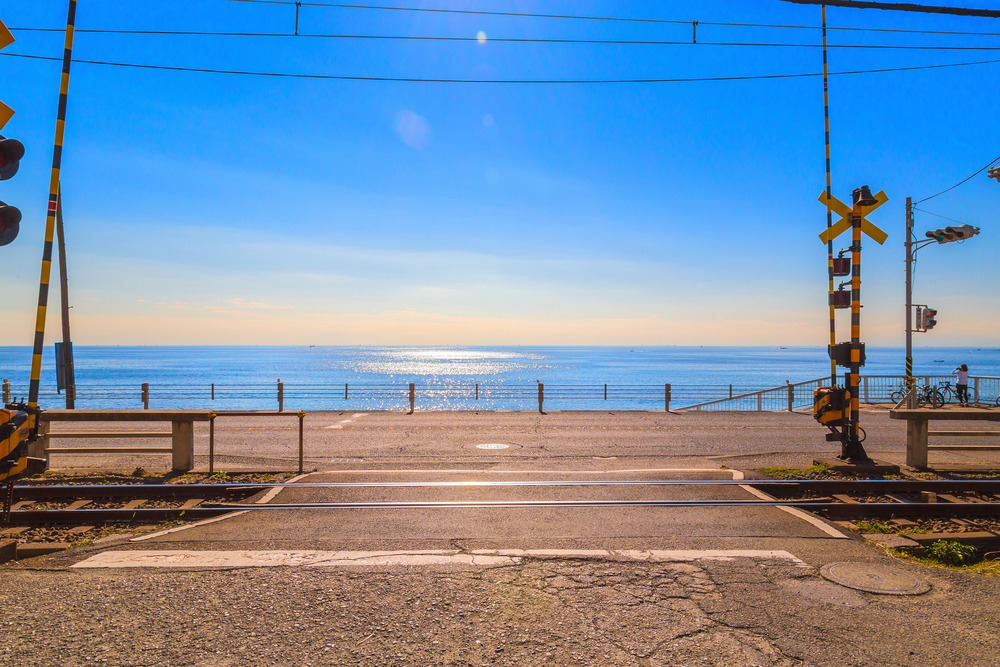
[[846, 212], [6, 39]]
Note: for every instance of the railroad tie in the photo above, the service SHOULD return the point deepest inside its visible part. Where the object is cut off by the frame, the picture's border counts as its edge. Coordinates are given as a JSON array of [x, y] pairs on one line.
[[846, 499], [134, 504], [192, 503], [22, 505], [76, 530], [77, 504], [948, 498], [16, 530]]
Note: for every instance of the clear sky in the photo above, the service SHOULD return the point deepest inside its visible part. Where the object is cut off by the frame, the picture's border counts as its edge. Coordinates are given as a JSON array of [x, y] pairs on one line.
[[215, 208]]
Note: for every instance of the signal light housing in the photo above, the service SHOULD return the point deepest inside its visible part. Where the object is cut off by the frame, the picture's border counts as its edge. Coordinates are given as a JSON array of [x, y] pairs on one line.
[[10, 223], [930, 315], [11, 152]]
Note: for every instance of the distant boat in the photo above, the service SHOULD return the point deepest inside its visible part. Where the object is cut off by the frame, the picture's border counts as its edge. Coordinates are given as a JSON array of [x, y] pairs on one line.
[[939, 361], [782, 348]]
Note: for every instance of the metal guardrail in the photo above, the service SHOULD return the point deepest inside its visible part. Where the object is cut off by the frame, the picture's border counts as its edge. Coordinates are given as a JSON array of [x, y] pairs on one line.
[[698, 397]]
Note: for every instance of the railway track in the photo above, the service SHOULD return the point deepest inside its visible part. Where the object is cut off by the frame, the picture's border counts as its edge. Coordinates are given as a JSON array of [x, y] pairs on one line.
[[834, 499]]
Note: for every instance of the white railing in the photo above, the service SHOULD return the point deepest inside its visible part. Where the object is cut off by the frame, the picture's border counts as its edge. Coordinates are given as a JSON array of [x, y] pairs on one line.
[[871, 389]]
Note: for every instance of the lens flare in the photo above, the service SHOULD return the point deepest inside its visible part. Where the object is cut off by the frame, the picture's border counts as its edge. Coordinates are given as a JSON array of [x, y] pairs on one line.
[[481, 36]]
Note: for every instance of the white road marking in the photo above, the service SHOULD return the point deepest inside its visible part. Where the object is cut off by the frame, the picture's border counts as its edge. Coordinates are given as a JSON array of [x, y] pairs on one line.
[[737, 475], [177, 529], [796, 512], [341, 423], [275, 490], [228, 559]]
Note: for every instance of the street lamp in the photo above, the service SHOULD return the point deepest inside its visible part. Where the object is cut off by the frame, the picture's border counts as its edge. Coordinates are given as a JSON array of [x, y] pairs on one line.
[[937, 236]]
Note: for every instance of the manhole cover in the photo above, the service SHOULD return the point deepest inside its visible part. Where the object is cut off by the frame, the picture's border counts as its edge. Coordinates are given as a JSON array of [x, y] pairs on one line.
[[492, 445], [873, 579]]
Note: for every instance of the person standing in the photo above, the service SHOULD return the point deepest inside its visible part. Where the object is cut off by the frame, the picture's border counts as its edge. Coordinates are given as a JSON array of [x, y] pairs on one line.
[[962, 385]]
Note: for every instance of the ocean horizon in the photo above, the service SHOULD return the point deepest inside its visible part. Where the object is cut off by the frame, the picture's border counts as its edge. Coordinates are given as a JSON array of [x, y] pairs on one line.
[[111, 376]]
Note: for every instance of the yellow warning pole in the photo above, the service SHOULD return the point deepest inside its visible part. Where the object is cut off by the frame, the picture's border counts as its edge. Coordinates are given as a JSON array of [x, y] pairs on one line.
[[50, 221], [829, 212]]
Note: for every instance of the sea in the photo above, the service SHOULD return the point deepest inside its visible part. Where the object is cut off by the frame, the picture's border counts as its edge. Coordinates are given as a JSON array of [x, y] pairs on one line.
[[245, 377]]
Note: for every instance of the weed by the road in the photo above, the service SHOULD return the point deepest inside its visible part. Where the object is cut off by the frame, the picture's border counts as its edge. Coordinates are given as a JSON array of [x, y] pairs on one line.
[[952, 552], [792, 473], [220, 475], [874, 527]]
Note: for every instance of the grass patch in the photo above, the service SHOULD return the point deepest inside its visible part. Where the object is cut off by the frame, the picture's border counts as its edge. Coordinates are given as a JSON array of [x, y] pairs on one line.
[[951, 552], [793, 473], [874, 527], [219, 475]]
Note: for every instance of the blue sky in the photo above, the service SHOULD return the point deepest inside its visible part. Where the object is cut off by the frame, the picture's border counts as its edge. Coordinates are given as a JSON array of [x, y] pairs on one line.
[[207, 208]]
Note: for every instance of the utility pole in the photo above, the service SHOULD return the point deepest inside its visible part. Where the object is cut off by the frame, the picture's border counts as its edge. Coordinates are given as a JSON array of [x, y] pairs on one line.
[[909, 302], [67, 346]]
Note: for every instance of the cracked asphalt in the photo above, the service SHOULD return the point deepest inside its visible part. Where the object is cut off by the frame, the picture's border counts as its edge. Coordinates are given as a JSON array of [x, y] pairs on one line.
[[739, 612]]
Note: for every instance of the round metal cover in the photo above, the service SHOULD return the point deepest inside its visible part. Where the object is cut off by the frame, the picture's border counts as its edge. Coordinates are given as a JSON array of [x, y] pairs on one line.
[[492, 445], [874, 578]]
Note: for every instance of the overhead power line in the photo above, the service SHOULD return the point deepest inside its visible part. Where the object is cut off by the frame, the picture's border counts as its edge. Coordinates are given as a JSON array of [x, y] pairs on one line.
[[593, 18], [289, 75], [959, 183], [515, 40], [903, 7]]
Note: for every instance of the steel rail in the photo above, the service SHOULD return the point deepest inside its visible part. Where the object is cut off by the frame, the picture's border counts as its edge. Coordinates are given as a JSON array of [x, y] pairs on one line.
[[830, 510], [195, 490]]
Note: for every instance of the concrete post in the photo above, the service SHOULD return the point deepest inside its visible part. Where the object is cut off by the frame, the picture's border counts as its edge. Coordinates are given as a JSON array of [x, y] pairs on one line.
[[183, 445], [145, 396], [666, 397], [477, 391], [413, 396], [916, 443], [791, 395], [605, 391], [345, 391], [281, 395], [6, 391], [302, 416], [541, 396]]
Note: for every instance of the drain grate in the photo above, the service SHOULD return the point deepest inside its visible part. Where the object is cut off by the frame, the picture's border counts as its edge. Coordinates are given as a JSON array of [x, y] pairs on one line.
[[874, 578]]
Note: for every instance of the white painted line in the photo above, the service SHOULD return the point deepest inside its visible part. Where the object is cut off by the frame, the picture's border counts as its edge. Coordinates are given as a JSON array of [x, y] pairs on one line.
[[341, 423], [794, 511], [274, 491], [228, 559], [736, 474], [177, 529]]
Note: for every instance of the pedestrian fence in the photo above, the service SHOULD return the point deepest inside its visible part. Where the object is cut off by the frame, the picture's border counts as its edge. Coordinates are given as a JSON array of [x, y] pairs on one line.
[[490, 395]]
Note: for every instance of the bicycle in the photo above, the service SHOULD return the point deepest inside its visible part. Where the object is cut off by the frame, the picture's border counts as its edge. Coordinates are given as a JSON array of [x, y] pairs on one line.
[[898, 393], [928, 394], [949, 392]]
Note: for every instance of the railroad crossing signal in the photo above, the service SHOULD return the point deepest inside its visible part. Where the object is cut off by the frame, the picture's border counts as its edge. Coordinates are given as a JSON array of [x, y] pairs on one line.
[[846, 212], [6, 39]]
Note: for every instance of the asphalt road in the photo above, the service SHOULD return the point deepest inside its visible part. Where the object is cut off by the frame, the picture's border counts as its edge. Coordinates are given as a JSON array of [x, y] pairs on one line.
[[639, 586]]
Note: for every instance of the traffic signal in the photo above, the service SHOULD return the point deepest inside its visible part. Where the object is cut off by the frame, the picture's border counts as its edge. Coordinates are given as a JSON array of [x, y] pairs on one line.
[[930, 315], [920, 318], [964, 231], [948, 234], [942, 235]]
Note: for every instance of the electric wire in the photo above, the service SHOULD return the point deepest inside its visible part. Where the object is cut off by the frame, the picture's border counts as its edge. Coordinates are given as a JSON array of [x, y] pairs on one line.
[[289, 75], [601, 18], [515, 40], [959, 183], [938, 216]]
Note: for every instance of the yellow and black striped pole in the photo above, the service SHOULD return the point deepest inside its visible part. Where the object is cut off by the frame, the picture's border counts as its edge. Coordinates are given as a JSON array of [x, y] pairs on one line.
[[50, 221], [852, 450], [829, 212]]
